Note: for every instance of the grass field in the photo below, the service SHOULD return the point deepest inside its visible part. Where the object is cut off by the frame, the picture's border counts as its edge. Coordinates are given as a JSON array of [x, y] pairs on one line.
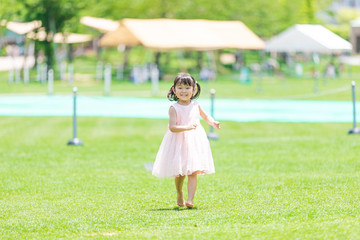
[[272, 181], [226, 87], [265, 87]]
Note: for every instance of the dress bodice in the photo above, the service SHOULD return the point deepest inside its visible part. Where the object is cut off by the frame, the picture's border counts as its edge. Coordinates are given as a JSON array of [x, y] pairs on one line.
[[187, 114]]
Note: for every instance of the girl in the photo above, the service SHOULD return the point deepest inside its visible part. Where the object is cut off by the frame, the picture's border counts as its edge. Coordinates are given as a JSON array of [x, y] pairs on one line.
[[185, 149]]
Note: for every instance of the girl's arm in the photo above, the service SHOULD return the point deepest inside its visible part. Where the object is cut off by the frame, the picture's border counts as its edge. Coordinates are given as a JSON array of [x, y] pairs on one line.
[[177, 128], [208, 118]]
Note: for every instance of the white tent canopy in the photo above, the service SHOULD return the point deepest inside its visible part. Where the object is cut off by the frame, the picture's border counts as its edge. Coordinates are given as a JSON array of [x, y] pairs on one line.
[[23, 27], [190, 34], [60, 37], [28, 28], [121, 36], [101, 24], [307, 38]]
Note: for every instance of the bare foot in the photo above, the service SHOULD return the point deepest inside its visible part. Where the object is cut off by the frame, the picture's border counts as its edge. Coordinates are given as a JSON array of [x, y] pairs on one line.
[[189, 205], [180, 200]]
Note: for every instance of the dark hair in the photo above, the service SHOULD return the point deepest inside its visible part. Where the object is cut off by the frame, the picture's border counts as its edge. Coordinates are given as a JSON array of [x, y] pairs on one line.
[[187, 79]]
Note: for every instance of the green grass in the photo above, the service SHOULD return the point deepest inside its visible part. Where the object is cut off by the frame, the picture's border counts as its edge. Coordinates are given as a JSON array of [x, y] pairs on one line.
[[225, 85], [272, 181], [267, 87]]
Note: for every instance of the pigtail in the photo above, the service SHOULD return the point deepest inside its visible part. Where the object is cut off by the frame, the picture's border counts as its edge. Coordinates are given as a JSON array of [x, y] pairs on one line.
[[198, 90], [171, 95]]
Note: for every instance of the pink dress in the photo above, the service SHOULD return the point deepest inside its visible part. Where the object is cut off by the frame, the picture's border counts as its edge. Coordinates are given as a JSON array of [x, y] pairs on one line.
[[187, 152]]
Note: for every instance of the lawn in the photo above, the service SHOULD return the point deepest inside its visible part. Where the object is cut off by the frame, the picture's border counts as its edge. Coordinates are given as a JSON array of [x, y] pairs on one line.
[[227, 83], [272, 181], [226, 87]]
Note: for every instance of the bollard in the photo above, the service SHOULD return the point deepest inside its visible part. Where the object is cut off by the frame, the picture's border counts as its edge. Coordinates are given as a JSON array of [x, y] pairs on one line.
[[51, 82], [107, 79], [17, 76], [259, 86], [316, 81], [354, 130], [212, 135], [99, 71], [120, 72], [62, 70], [75, 141], [43, 74], [26, 75], [11, 76], [154, 75], [38, 72]]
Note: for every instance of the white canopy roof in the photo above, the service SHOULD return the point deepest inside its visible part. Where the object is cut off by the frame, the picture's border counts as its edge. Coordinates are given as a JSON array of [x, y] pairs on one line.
[[60, 37], [23, 27], [29, 27], [307, 38], [72, 38], [195, 34], [101, 24], [122, 35]]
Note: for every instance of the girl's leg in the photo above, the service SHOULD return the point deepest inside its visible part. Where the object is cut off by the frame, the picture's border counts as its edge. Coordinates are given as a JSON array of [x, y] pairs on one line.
[[179, 181], [192, 182]]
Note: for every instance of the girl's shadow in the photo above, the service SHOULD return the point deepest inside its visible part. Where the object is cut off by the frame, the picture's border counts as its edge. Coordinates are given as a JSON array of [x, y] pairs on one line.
[[174, 209]]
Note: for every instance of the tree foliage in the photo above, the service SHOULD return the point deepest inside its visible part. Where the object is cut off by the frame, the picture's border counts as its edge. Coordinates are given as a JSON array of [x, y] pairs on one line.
[[343, 18], [54, 14], [266, 18]]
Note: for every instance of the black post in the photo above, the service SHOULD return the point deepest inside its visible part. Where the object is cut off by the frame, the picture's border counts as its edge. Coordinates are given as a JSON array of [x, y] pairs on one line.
[[354, 130], [212, 135], [75, 141]]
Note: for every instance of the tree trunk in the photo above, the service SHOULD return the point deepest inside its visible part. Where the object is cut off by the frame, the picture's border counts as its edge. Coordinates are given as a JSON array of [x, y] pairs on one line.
[[49, 54], [70, 53], [126, 57], [199, 60], [157, 58]]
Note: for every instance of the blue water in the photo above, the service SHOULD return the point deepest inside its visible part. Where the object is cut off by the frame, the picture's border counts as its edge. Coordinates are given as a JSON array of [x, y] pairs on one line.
[[225, 109]]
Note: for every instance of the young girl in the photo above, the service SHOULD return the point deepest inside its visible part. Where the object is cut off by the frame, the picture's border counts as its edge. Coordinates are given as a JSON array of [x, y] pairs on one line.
[[185, 149]]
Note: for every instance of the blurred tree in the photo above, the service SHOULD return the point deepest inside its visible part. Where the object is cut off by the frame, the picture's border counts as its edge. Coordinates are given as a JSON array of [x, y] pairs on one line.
[[345, 15], [9, 9], [53, 14], [266, 18], [343, 18], [309, 11]]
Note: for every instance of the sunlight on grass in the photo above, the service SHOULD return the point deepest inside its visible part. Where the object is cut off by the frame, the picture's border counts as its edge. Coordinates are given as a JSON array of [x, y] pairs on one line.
[[272, 180], [226, 87]]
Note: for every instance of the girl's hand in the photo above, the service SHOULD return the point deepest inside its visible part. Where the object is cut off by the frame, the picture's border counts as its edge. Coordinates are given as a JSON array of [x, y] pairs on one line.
[[192, 126], [216, 124]]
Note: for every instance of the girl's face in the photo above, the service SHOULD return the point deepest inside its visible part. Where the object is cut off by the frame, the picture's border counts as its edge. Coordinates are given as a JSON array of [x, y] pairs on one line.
[[183, 92]]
